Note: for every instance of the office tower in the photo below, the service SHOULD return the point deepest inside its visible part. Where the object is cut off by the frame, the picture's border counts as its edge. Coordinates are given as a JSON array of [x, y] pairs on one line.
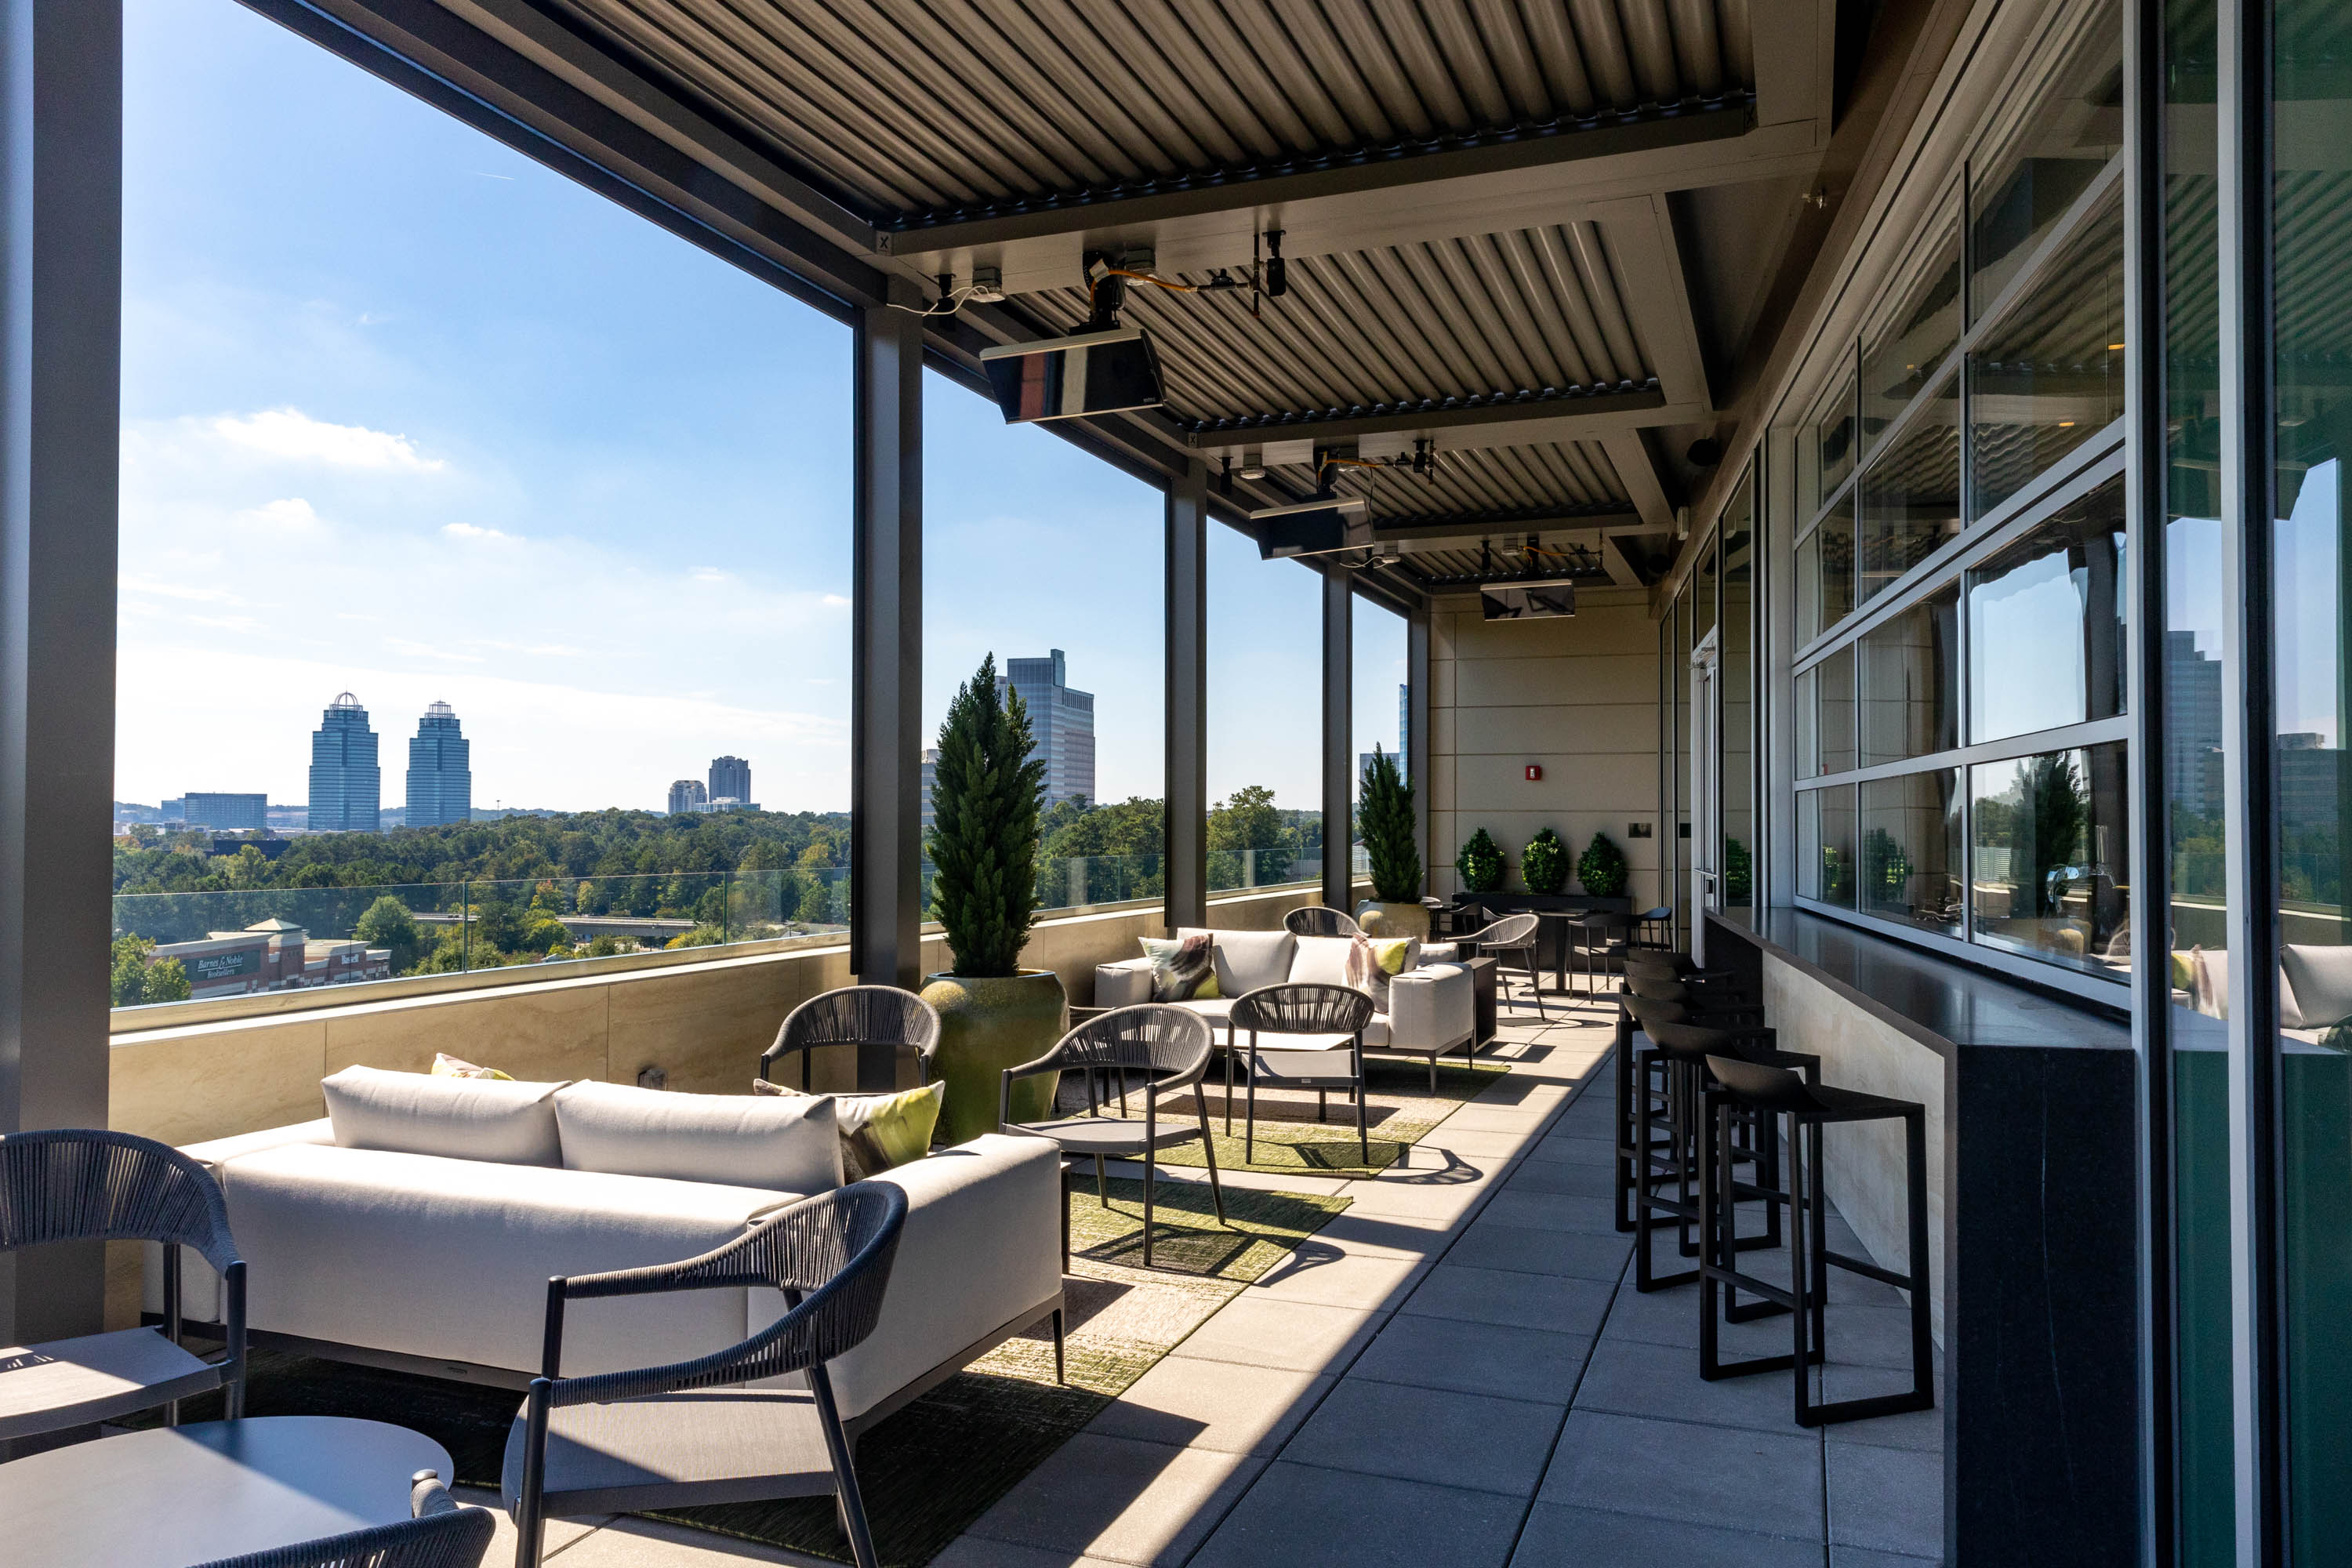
[[227, 813], [685, 795], [730, 779], [930, 777], [1404, 730], [1061, 720], [346, 785], [440, 778], [2193, 732]]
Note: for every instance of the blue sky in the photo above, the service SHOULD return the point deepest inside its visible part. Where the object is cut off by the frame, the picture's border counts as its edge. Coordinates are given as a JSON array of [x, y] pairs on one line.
[[405, 413]]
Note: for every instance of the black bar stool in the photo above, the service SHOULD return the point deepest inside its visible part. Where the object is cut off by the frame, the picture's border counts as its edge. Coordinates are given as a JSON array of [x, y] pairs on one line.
[[1658, 977], [1770, 1093], [1683, 1049]]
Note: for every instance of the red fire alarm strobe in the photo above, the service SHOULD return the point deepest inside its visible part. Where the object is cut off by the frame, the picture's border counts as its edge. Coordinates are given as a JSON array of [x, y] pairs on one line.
[[1534, 772]]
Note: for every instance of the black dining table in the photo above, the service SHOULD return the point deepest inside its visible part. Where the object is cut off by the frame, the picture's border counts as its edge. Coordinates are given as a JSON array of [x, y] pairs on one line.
[[173, 1496]]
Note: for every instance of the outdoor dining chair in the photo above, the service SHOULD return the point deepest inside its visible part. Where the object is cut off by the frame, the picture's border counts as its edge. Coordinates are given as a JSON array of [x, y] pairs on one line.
[[695, 1431], [439, 1534], [1318, 919], [884, 1023], [1157, 1051], [1512, 936], [86, 1184], [1336, 1015]]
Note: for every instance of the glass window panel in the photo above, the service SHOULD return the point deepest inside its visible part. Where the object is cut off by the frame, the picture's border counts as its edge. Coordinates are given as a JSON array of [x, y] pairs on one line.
[[1911, 858], [2049, 375], [1827, 446], [2023, 187], [1825, 572], [1702, 606], [2205, 1478], [1678, 676], [2310, 811], [1910, 682], [2046, 624], [1738, 672], [1265, 768], [1809, 741], [1920, 335], [1825, 845], [1911, 493], [2047, 869], [1834, 710]]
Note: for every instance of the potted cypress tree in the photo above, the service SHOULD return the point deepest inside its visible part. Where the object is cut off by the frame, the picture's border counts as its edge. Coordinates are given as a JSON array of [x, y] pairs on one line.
[[1603, 868], [1395, 907], [994, 1014]]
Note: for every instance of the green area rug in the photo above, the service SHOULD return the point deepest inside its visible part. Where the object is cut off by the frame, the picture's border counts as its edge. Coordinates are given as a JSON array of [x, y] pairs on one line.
[[931, 1470], [1400, 1111]]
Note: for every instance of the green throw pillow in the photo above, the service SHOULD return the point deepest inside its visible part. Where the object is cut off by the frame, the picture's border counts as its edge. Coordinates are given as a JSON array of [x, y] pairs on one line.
[[1183, 969], [878, 1131]]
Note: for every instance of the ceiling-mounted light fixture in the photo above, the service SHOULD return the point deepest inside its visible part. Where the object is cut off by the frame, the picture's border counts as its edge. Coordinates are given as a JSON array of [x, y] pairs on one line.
[[1424, 457], [1320, 527], [1278, 271], [1104, 372]]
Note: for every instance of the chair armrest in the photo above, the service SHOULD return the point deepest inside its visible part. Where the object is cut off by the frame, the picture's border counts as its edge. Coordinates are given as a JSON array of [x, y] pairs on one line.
[[426, 1495], [1432, 1007], [1124, 984]]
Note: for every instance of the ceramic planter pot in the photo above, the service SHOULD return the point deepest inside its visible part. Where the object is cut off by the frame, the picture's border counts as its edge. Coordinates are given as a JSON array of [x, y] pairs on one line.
[[1378, 918], [986, 1024]]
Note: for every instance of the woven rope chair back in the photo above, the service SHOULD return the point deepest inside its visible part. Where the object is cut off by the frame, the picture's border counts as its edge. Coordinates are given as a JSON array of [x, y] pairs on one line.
[[1511, 930], [1152, 1037], [457, 1539], [85, 1184], [834, 1251], [1303, 1009], [860, 1016], [1316, 920]]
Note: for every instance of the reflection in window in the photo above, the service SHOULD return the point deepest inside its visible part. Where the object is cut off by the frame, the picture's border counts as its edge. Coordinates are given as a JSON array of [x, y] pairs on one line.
[[2021, 191], [1920, 335], [1825, 572], [1910, 860], [1911, 493], [1829, 447], [1910, 682], [2050, 374], [2046, 624], [1834, 710], [2047, 870], [1738, 825], [1825, 846]]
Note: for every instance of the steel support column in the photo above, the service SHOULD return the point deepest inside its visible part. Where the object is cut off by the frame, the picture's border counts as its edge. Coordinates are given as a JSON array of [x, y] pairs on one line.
[[60, 352], [1416, 731], [1186, 860], [885, 764], [1338, 731]]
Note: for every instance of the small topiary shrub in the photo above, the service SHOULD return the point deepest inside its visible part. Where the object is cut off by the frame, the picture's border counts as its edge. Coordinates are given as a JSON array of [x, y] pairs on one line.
[[1603, 868], [1544, 866], [1480, 863]]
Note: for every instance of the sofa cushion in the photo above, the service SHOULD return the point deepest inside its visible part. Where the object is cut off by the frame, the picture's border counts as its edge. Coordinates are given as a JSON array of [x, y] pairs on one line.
[[1183, 968], [2317, 989], [450, 1258], [740, 1139], [1247, 960], [1321, 961], [456, 1117], [878, 1131]]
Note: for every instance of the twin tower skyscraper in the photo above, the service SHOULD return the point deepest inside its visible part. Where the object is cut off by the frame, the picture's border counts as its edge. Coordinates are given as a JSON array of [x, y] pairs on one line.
[[347, 784]]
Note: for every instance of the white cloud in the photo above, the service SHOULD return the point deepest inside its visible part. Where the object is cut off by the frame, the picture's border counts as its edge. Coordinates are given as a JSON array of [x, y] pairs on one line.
[[227, 622], [408, 649], [709, 574], [292, 436], [467, 531], [834, 601], [293, 512], [178, 591]]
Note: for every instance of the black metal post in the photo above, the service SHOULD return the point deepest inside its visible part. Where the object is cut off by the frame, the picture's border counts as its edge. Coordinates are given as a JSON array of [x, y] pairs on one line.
[[1186, 859], [1339, 728]]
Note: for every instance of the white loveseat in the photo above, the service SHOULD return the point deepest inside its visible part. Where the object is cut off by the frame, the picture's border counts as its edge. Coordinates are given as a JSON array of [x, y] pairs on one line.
[[1432, 1005], [419, 1257]]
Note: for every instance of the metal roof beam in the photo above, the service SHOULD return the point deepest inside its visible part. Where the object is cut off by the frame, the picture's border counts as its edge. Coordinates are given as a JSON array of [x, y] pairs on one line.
[[1596, 526], [1512, 423], [1638, 472], [1639, 235], [1621, 568]]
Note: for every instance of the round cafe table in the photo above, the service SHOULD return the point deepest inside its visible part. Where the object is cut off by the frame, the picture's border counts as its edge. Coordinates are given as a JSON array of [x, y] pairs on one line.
[[181, 1495]]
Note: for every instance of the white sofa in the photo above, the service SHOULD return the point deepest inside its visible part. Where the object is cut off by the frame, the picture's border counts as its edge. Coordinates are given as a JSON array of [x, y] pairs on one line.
[[414, 1257], [1433, 1006]]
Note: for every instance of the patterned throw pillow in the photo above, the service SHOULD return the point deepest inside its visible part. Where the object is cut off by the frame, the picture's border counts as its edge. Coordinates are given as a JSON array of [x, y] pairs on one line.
[[446, 1066], [1183, 968], [1373, 961], [878, 1131]]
